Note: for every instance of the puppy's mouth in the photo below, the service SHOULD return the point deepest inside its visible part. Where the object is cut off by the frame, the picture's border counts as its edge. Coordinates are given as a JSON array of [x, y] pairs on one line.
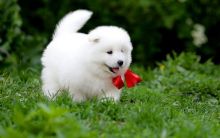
[[113, 69]]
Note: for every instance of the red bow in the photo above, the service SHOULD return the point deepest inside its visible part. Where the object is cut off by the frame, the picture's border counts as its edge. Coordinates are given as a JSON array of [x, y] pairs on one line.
[[131, 80]]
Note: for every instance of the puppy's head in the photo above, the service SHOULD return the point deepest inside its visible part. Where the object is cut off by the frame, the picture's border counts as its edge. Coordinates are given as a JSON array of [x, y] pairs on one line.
[[111, 50]]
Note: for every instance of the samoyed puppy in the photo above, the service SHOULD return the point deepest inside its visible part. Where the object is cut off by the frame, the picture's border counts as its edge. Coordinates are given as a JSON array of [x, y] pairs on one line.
[[85, 64]]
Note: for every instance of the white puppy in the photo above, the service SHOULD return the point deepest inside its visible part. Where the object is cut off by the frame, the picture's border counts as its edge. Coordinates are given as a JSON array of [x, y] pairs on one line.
[[84, 64]]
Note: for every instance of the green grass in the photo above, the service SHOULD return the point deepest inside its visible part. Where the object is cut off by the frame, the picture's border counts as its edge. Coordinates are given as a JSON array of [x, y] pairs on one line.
[[179, 98]]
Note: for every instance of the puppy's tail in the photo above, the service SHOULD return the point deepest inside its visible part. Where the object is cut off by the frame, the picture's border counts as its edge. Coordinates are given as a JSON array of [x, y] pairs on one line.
[[72, 22]]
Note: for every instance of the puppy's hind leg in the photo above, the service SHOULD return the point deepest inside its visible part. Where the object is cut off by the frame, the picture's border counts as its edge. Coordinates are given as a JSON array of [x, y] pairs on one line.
[[50, 85], [77, 96]]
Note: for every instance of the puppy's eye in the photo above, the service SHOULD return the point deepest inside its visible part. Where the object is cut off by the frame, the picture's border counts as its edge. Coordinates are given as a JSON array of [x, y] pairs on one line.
[[122, 50], [109, 52]]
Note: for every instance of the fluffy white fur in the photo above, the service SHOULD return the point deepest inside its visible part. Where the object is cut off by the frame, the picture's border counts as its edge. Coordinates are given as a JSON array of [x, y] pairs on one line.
[[84, 64]]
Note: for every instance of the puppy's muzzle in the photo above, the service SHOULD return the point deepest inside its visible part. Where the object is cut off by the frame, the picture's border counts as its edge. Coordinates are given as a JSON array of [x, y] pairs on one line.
[[120, 63]]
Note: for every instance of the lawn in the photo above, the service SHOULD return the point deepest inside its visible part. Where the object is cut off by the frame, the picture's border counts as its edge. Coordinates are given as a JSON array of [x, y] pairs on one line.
[[178, 98]]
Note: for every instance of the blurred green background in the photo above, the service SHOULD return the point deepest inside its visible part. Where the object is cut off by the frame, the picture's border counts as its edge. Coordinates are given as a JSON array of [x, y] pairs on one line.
[[156, 27]]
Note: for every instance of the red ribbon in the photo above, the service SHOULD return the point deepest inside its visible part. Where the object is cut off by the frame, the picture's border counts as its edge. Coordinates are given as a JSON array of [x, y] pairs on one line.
[[131, 80]]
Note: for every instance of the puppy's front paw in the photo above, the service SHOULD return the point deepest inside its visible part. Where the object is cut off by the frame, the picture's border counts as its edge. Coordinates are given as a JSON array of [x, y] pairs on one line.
[[111, 95]]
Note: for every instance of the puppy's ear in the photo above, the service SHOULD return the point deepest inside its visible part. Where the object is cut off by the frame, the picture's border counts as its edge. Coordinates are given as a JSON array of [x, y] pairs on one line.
[[93, 39]]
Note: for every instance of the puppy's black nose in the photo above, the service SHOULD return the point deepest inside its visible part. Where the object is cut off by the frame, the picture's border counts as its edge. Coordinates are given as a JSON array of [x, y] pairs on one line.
[[120, 62]]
